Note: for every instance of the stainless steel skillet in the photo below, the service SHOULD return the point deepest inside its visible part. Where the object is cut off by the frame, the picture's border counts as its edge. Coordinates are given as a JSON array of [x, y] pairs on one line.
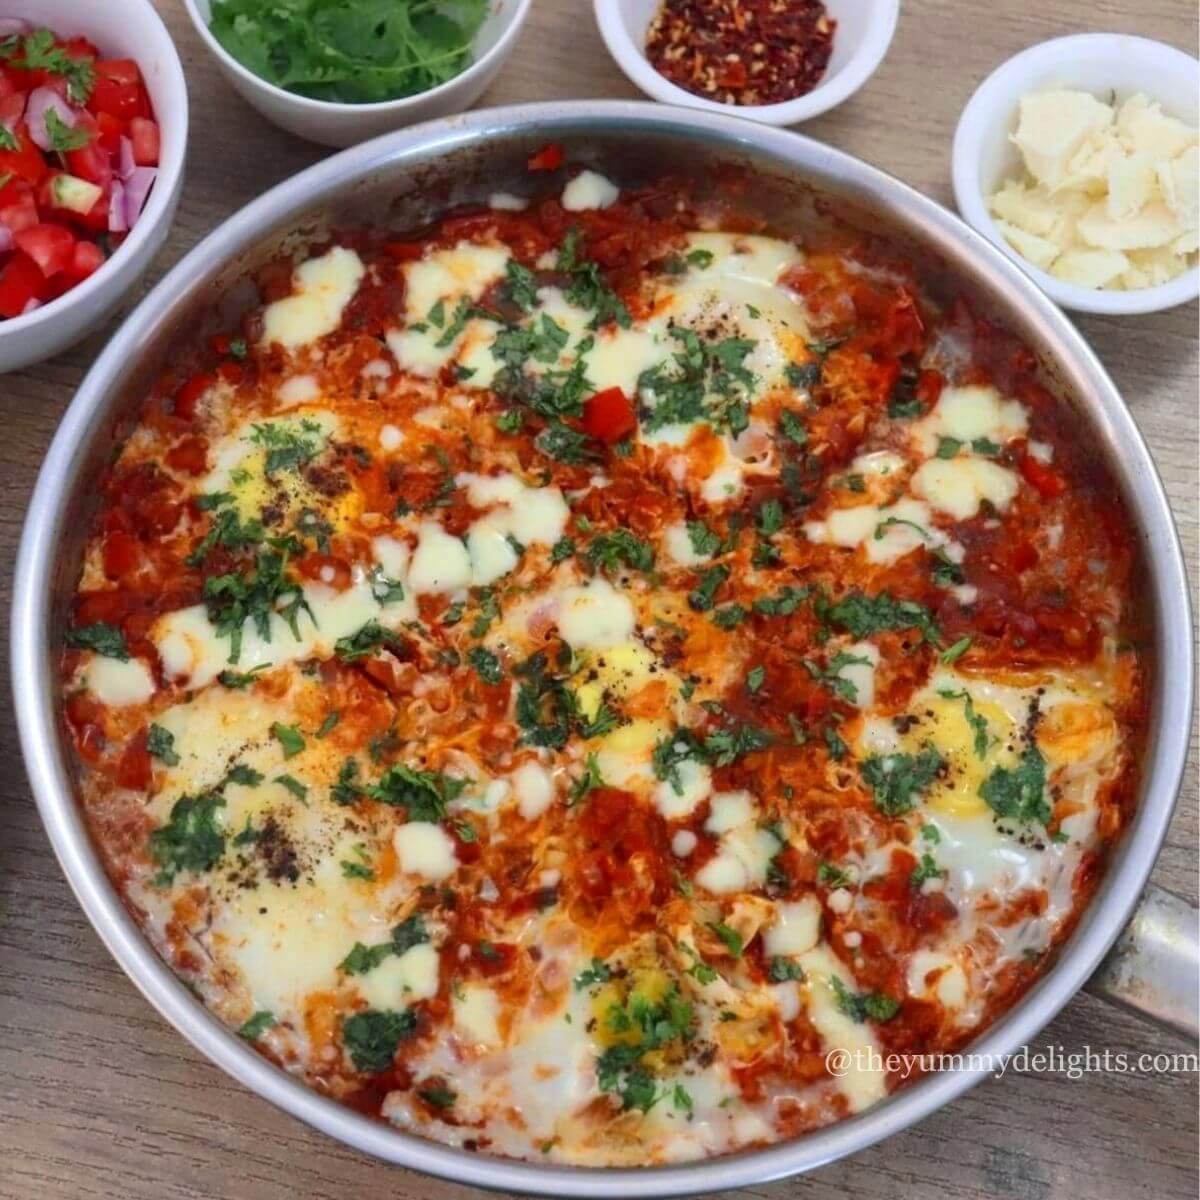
[[412, 175]]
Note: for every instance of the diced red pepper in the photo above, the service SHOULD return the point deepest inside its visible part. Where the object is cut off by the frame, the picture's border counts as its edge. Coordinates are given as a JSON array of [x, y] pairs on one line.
[[20, 282], [548, 158], [609, 415], [50, 246], [144, 136]]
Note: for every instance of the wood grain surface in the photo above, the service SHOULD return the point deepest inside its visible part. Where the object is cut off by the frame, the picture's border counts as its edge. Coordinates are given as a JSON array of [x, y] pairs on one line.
[[101, 1098]]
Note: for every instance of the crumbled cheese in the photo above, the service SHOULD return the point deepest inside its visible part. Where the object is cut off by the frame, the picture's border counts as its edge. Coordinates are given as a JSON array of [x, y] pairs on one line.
[[1110, 198]]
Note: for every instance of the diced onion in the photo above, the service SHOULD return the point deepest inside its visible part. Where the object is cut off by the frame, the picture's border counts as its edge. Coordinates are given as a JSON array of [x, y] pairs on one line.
[[13, 25], [116, 208], [6, 238], [41, 100], [137, 188], [125, 164]]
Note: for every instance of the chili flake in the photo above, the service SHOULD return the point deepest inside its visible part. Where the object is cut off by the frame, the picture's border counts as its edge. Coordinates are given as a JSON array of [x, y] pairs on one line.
[[742, 51]]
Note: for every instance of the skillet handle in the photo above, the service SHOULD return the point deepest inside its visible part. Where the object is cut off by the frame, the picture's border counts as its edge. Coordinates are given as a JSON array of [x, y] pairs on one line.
[[1154, 968]]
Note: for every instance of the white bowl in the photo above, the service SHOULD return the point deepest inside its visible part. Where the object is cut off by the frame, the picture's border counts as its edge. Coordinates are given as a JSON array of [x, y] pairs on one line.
[[120, 29], [334, 124], [864, 32], [1101, 63]]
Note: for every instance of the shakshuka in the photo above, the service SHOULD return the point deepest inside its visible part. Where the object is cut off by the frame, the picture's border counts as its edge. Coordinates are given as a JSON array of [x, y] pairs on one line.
[[549, 679]]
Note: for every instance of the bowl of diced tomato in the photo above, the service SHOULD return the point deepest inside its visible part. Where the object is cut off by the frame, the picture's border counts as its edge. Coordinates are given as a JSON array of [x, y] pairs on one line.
[[93, 132]]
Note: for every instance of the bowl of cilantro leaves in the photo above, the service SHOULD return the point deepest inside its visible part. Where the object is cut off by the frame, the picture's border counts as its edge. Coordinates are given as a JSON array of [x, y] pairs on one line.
[[341, 71]]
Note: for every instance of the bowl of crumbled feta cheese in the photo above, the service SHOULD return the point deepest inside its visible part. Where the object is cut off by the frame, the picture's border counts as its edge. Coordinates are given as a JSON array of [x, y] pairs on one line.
[[1080, 158]]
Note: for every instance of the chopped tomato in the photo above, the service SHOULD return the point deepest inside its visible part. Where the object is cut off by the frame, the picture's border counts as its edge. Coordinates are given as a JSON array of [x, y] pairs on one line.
[[50, 246], [17, 207], [12, 106], [188, 396], [20, 282], [110, 129], [1047, 482], [118, 89], [609, 415], [144, 135], [404, 251], [189, 456], [548, 158], [26, 161], [91, 162]]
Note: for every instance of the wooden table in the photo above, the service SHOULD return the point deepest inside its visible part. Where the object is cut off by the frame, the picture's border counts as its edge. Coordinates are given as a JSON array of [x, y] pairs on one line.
[[100, 1098]]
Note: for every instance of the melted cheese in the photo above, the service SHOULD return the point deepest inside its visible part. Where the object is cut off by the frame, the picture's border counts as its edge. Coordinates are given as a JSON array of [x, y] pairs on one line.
[[323, 287], [426, 850], [118, 683]]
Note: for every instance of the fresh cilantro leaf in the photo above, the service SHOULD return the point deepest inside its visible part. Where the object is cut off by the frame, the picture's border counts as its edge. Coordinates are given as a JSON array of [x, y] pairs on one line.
[[328, 725], [101, 638], [948, 447], [63, 137], [562, 549]]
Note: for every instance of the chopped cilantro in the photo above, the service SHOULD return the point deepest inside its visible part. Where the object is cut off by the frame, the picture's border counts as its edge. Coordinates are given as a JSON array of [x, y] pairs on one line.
[[191, 839], [608, 551], [254, 1027], [863, 1006], [926, 869], [702, 595], [898, 779], [289, 737], [703, 540], [422, 794], [730, 937], [486, 664], [372, 1037], [160, 743], [781, 970], [1019, 794], [597, 972]]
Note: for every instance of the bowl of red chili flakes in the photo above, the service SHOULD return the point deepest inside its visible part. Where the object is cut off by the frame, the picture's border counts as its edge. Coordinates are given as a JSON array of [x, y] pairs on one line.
[[776, 61], [93, 132]]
